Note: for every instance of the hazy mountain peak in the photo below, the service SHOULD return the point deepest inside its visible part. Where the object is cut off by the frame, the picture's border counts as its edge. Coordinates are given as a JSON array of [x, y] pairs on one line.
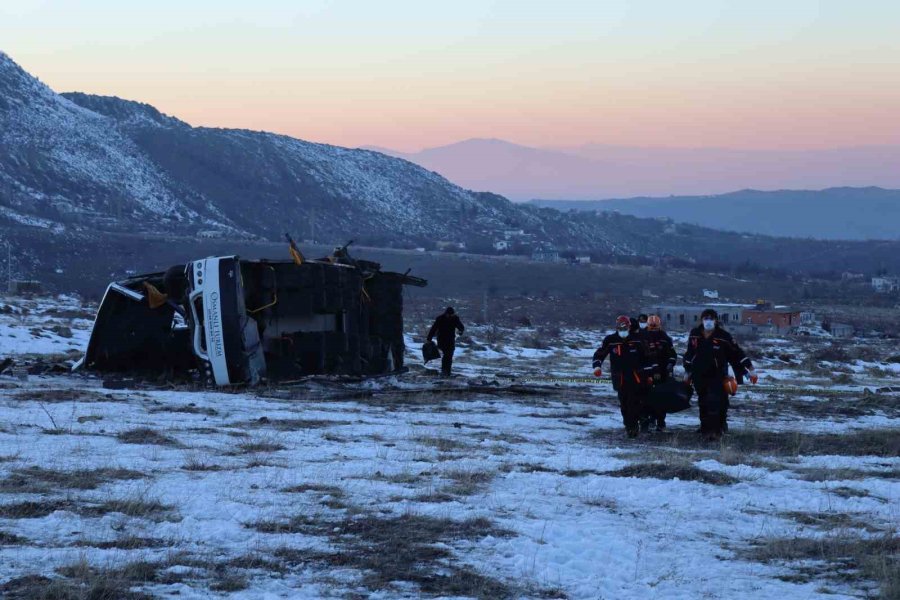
[[597, 171]]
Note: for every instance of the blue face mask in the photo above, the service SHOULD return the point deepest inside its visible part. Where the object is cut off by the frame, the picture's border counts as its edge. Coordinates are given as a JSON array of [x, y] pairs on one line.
[[623, 333], [709, 324]]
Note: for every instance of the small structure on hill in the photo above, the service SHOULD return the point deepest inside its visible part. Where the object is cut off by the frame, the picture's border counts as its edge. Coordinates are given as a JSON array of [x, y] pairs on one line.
[[886, 285], [545, 255]]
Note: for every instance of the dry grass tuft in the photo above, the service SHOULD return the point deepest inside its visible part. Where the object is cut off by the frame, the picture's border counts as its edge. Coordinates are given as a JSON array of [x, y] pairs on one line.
[[129, 542], [408, 548], [320, 488], [138, 507], [833, 520], [190, 409], [871, 442], [33, 509], [467, 482], [442, 444], [673, 470], [259, 446], [145, 435], [54, 396], [289, 424], [845, 474], [37, 480], [11, 539], [842, 557]]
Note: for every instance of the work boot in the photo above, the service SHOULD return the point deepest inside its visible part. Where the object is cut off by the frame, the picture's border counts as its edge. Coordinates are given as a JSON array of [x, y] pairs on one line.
[[645, 425], [660, 426], [632, 432]]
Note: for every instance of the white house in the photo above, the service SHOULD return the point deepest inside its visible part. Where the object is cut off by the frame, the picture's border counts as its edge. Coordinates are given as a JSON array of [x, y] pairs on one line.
[[547, 255], [886, 285], [711, 294], [501, 245]]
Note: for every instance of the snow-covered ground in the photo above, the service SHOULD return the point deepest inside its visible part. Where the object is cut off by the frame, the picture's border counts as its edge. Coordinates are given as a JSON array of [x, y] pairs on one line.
[[43, 325], [513, 480]]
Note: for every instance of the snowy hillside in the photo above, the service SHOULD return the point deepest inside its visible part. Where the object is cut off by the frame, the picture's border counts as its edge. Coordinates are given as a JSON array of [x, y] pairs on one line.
[[79, 162], [61, 163], [313, 189]]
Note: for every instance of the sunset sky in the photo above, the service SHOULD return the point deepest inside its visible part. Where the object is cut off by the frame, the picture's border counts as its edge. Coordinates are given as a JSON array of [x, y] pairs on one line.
[[407, 75]]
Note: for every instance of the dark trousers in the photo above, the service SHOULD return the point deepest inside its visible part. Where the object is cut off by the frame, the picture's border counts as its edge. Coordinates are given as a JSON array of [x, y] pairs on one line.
[[713, 404], [649, 414], [447, 358], [630, 405]]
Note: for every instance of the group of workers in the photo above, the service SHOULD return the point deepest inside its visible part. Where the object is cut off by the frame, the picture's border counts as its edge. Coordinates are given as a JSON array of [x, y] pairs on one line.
[[642, 355]]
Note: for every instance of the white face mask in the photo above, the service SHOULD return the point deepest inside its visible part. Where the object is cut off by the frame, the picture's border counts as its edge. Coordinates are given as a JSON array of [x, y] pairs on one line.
[[623, 333], [642, 325], [709, 324]]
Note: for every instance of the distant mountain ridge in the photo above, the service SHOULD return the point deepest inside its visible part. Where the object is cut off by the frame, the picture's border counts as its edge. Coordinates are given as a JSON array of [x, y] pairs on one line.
[[78, 171], [869, 213], [596, 171]]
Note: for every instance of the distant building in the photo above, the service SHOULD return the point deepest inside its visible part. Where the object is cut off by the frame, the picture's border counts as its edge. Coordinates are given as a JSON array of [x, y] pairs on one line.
[[682, 317], [450, 246], [850, 276], [763, 313], [546, 255], [886, 285], [714, 294], [510, 234], [808, 317], [502, 245], [841, 330], [582, 260]]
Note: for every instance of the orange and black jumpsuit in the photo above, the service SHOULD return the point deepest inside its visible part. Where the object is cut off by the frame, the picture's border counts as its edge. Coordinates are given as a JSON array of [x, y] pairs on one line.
[[662, 357], [706, 361], [630, 371]]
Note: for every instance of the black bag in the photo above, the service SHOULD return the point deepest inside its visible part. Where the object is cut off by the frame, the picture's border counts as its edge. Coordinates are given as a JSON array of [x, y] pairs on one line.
[[672, 396], [430, 351]]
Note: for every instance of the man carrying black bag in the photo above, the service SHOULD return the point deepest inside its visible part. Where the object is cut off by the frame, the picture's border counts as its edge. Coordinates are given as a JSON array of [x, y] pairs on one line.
[[710, 350], [445, 327]]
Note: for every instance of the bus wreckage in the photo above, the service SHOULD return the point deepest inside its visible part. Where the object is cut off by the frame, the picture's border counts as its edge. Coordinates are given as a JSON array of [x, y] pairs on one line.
[[238, 321]]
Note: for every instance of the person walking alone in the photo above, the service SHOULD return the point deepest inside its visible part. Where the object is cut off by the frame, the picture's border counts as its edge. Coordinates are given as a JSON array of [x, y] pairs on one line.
[[445, 327]]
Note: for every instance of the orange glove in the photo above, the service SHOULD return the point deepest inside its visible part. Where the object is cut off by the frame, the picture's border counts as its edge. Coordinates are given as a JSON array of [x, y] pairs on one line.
[[598, 372], [754, 378]]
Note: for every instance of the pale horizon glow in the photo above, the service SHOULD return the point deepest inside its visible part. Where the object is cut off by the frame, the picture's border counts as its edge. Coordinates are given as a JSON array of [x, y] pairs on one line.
[[411, 75]]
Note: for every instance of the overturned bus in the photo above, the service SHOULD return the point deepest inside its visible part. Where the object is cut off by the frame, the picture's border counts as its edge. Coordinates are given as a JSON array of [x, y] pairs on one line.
[[245, 321]]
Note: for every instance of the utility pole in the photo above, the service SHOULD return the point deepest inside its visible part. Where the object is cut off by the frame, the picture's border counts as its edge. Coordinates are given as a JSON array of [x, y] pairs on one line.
[[484, 310], [8, 266]]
